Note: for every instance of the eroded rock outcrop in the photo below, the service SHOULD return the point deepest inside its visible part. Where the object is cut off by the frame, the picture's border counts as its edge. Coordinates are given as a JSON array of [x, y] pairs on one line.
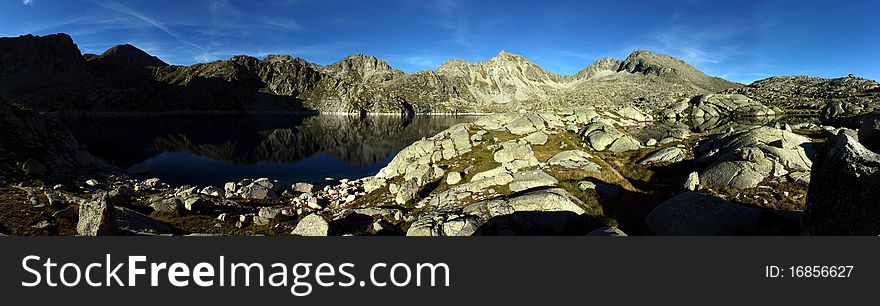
[[843, 198], [747, 158]]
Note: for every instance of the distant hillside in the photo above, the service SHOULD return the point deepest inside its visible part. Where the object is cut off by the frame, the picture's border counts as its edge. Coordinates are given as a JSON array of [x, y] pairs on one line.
[[49, 73]]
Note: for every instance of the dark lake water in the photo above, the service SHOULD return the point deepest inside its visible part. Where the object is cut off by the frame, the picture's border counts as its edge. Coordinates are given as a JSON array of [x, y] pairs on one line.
[[214, 149]]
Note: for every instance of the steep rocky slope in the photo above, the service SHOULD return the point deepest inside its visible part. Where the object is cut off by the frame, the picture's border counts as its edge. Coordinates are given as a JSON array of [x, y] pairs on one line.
[[38, 148], [50, 74], [30, 63]]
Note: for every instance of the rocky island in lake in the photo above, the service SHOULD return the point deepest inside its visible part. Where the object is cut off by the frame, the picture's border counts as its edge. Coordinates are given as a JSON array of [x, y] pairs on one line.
[[123, 143]]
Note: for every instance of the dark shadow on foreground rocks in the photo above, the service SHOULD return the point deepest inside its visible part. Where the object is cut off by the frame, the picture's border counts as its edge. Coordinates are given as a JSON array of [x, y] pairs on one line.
[[698, 214], [358, 225], [538, 223]]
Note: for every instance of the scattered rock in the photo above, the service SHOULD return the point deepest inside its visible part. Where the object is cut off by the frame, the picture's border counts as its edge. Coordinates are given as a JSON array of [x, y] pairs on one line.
[[536, 138], [586, 185], [692, 182], [212, 191], [663, 156], [574, 159], [172, 205], [312, 225], [525, 180], [266, 215], [198, 203], [632, 113], [453, 178], [257, 191], [303, 187]]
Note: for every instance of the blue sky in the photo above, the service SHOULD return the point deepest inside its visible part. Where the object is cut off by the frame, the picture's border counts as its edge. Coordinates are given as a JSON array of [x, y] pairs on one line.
[[739, 40]]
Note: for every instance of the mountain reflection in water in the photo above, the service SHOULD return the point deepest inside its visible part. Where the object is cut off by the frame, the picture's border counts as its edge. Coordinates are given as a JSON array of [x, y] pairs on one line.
[[214, 149]]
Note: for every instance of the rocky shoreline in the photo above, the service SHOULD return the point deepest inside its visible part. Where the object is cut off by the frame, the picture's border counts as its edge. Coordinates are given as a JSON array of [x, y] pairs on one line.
[[596, 172]]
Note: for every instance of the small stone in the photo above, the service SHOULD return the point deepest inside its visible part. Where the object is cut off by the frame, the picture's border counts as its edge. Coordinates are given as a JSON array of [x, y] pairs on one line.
[[303, 187], [42, 224], [586, 185], [171, 205], [453, 178], [230, 189], [212, 191], [152, 183], [536, 138], [197, 203], [692, 182]]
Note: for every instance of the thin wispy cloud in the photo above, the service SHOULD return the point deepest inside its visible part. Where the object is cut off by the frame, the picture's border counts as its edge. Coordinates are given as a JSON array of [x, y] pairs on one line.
[[27, 2], [452, 19], [123, 9], [225, 15], [700, 44]]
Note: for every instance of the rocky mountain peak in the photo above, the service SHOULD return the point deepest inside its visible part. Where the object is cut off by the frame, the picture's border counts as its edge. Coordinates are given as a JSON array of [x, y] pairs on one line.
[[29, 52], [672, 70], [505, 56], [502, 65], [645, 62], [600, 68], [40, 61], [129, 56], [361, 62], [362, 68]]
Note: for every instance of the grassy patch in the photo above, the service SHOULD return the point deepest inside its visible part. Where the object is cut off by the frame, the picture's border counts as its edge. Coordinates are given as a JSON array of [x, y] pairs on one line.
[[773, 196], [18, 216]]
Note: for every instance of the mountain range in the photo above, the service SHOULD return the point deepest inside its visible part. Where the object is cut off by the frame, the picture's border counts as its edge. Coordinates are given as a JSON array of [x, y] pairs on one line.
[[49, 73]]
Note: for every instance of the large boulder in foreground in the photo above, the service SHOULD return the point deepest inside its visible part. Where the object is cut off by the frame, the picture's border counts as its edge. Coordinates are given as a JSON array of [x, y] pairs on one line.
[[844, 194], [96, 217]]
